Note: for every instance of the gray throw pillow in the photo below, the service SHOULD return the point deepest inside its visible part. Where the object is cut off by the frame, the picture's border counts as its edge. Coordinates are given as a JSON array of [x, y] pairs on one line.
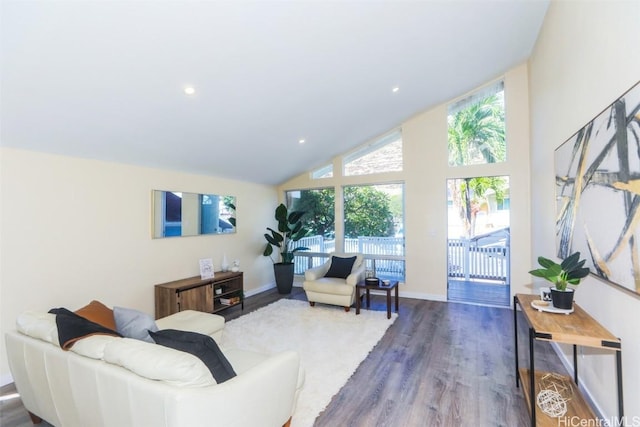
[[135, 324]]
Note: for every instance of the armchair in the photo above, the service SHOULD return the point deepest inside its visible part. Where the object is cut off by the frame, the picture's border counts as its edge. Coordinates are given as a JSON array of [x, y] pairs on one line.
[[334, 282]]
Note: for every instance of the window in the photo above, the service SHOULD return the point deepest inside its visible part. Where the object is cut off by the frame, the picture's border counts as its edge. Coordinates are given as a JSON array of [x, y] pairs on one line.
[[323, 172], [382, 155], [477, 129], [374, 226], [319, 205]]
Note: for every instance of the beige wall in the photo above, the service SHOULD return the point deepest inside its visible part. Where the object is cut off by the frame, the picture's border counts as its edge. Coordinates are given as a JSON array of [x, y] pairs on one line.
[[425, 175], [74, 230], [585, 58]]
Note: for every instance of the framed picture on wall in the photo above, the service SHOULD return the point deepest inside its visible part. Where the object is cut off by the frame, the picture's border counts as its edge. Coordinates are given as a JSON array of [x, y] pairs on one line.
[[597, 173]]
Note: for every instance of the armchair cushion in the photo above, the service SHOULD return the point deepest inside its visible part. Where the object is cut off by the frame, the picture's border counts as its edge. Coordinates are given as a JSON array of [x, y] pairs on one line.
[[340, 267]]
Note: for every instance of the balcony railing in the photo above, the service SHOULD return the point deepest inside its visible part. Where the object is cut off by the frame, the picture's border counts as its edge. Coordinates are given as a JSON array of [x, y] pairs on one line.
[[384, 256], [469, 262]]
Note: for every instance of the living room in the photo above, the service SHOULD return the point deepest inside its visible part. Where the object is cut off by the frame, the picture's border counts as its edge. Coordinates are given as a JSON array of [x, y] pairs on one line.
[[75, 229]]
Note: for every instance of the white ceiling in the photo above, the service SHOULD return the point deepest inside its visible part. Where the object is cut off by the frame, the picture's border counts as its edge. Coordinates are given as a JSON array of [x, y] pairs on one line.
[[105, 79]]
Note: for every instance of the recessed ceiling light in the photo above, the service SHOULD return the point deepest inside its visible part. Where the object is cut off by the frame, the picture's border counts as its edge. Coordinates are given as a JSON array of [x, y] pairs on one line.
[[189, 90], [301, 141], [395, 89]]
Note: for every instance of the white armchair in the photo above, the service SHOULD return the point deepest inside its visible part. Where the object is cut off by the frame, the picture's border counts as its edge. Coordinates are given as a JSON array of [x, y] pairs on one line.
[[339, 289]]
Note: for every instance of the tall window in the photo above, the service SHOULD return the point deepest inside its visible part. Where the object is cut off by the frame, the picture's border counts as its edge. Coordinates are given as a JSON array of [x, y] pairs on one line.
[[382, 155], [319, 205], [374, 226], [476, 128]]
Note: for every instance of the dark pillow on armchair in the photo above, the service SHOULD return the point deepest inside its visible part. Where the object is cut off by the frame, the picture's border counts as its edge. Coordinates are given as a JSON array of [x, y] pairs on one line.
[[340, 267], [200, 345]]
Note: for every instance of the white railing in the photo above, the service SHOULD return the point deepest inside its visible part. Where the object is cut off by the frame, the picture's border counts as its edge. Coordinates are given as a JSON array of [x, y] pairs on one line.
[[385, 257], [472, 262]]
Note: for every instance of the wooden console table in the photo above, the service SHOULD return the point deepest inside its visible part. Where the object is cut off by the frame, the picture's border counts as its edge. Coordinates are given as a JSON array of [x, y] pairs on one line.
[[577, 328], [197, 294]]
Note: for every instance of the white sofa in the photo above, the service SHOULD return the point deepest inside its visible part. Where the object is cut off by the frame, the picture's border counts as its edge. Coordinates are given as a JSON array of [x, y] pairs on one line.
[[334, 290], [111, 381]]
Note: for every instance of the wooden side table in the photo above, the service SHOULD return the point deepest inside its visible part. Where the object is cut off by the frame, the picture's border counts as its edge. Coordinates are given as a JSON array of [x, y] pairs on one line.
[[393, 285]]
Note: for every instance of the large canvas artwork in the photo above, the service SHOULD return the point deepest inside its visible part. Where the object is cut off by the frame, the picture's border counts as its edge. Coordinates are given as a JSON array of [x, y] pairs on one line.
[[598, 193]]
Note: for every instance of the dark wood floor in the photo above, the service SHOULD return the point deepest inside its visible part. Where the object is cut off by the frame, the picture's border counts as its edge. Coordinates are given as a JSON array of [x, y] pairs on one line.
[[439, 364]]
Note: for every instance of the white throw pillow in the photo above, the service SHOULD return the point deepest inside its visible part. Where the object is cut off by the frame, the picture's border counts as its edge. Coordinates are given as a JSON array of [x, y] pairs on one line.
[[157, 362], [38, 325]]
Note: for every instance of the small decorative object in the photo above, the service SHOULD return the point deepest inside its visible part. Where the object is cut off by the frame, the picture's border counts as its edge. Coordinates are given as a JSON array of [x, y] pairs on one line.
[[372, 281], [206, 268], [555, 392], [545, 294], [225, 264], [551, 403], [569, 272], [236, 266], [218, 291]]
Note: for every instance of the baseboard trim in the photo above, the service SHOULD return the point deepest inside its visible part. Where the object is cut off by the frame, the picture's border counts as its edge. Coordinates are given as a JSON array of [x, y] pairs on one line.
[[5, 379]]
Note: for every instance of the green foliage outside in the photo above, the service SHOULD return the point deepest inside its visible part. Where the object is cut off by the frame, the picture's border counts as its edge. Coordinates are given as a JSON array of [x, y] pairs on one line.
[[368, 211], [319, 218], [477, 135]]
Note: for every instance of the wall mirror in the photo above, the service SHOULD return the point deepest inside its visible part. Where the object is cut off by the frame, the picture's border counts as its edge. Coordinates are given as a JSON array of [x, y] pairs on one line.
[[178, 213]]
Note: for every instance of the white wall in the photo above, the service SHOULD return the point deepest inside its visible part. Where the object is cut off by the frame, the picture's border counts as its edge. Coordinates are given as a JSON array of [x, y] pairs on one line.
[[74, 230], [585, 58], [425, 175]]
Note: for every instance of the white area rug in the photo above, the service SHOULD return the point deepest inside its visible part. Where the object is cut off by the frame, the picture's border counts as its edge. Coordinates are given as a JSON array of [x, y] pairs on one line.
[[331, 343]]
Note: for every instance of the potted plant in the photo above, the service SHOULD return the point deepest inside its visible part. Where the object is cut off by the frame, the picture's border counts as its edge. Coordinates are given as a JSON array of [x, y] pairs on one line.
[[569, 272], [290, 230]]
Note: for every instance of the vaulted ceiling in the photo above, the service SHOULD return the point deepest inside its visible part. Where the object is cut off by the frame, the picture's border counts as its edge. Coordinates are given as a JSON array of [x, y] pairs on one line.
[[106, 79]]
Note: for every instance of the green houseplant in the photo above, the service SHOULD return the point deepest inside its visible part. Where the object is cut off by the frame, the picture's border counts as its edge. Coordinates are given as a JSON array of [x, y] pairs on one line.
[[290, 230], [569, 272]]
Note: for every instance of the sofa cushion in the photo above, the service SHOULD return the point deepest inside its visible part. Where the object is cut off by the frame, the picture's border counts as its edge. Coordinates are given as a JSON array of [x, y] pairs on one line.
[[93, 346], [340, 267], [98, 313], [159, 363], [194, 321], [134, 324], [38, 325], [202, 346]]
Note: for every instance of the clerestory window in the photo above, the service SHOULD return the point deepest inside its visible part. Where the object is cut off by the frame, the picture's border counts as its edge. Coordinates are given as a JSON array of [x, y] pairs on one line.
[[383, 154], [477, 128]]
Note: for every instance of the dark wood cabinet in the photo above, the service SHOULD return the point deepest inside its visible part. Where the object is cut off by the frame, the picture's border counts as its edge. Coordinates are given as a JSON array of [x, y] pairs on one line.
[[224, 290]]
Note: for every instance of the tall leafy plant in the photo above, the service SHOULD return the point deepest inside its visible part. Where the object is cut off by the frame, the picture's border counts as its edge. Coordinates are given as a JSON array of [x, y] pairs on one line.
[[290, 230]]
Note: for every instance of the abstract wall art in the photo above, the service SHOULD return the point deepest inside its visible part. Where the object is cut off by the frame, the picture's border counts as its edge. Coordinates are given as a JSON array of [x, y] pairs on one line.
[[598, 193]]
